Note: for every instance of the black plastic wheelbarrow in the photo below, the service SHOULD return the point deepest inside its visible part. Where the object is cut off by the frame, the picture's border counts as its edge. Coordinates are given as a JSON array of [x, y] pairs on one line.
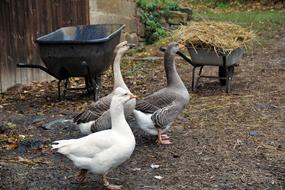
[[201, 57], [78, 51]]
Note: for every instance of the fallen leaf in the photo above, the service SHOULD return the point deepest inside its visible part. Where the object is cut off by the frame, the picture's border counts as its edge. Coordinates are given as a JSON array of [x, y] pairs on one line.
[[25, 161], [136, 169], [10, 146], [34, 161], [11, 125], [158, 177], [154, 166], [22, 137]]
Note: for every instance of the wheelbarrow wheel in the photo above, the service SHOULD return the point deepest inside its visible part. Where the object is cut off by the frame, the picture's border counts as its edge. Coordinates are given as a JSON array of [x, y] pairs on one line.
[[223, 74]]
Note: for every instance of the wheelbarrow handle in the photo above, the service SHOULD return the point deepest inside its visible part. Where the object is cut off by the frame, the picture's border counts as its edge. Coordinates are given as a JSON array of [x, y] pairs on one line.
[[185, 57], [23, 65]]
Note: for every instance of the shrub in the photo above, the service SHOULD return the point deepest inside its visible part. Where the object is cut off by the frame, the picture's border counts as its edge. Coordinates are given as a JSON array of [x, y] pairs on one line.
[[151, 13]]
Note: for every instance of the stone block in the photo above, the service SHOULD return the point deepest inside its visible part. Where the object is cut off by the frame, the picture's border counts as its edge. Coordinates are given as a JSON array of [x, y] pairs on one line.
[[102, 18], [120, 7], [115, 12], [176, 18], [188, 11], [163, 22], [132, 38], [92, 6], [141, 29]]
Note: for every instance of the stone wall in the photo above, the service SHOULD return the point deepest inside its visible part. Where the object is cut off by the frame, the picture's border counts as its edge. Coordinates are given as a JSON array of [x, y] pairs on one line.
[[116, 12], [125, 12]]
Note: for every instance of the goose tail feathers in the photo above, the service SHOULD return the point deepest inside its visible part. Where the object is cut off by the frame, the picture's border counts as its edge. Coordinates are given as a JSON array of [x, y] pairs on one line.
[[62, 146]]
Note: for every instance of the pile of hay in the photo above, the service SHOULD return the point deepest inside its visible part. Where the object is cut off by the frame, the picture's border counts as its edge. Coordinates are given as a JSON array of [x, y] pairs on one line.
[[220, 36]]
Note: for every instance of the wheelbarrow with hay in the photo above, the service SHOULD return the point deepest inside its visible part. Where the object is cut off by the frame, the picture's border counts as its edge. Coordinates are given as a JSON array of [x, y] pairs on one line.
[[202, 57], [206, 48]]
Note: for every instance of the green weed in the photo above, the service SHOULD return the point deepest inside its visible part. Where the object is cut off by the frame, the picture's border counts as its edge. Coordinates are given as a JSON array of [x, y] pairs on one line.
[[264, 23], [151, 13]]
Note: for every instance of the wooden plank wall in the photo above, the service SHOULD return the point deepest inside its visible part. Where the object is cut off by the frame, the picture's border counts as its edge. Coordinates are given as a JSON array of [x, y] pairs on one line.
[[21, 22]]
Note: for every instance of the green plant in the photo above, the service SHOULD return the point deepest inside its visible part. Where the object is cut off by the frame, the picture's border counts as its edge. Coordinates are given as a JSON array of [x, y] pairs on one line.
[[264, 23], [131, 69], [222, 5], [151, 13]]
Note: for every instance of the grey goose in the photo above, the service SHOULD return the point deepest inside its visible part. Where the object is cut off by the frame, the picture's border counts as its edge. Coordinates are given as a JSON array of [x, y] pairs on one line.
[[155, 113], [97, 116]]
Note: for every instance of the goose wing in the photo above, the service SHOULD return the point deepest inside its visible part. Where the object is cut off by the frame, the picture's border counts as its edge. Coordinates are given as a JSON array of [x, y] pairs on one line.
[[102, 123], [94, 111], [145, 106], [166, 115], [155, 101], [87, 146]]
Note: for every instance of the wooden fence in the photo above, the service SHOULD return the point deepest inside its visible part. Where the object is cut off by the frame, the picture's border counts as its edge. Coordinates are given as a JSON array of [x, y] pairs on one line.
[[21, 22]]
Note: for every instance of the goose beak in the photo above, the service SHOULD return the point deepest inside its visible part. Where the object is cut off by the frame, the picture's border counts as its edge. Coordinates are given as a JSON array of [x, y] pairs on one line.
[[132, 96], [131, 45], [121, 44], [181, 46]]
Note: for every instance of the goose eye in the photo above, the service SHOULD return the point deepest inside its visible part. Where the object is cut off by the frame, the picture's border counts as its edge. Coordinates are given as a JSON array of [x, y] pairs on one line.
[[126, 94]]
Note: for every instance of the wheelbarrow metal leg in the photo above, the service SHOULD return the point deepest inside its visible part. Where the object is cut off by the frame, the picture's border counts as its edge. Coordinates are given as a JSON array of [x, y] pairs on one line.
[[193, 78], [90, 81], [199, 76], [87, 84], [97, 87], [93, 84], [227, 74], [65, 87], [195, 83], [227, 80], [58, 89]]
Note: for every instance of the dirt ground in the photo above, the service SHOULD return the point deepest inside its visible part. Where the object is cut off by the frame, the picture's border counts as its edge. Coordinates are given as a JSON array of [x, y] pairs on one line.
[[220, 141]]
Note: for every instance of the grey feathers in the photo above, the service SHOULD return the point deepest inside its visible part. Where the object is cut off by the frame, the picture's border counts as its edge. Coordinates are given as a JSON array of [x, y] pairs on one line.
[[94, 111]]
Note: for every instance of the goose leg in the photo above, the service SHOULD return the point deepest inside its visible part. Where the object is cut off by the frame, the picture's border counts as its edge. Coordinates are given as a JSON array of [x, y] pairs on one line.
[[82, 175], [108, 185], [163, 138]]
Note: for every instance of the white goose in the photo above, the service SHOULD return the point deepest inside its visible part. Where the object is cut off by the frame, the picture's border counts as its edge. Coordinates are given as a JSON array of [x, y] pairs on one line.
[[156, 112], [104, 150], [97, 116]]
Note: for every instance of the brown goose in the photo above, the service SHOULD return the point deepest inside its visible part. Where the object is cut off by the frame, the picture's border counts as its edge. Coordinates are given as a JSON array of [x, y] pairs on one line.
[[156, 112], [97, 116]]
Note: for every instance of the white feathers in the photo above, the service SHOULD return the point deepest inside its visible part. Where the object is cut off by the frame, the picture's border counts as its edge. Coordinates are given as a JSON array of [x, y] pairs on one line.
[[101, 151], [85, 128], [144, 122]]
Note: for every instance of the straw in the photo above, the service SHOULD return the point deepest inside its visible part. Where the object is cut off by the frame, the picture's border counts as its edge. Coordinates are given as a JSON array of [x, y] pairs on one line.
[[220, 36]]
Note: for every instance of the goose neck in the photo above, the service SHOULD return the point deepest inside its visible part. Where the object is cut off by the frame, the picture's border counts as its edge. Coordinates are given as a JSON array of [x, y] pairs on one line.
[[173, 79], [118, 119], [118, 78]]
